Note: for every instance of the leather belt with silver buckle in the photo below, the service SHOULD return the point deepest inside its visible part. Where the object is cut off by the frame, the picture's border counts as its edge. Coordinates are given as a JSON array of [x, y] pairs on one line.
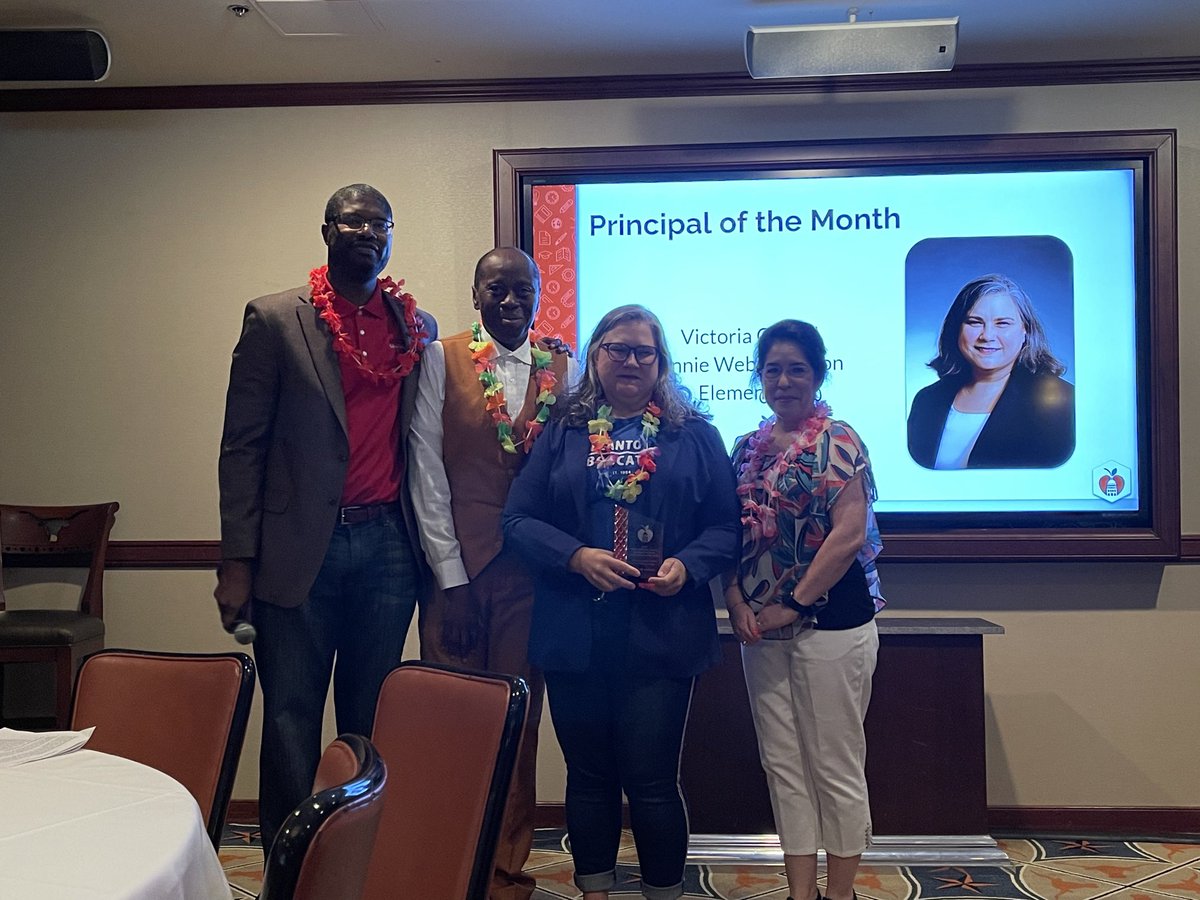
[[353, 515]]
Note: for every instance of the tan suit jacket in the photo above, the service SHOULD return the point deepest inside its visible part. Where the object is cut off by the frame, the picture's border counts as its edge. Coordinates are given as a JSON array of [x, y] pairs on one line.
[[284, 449]]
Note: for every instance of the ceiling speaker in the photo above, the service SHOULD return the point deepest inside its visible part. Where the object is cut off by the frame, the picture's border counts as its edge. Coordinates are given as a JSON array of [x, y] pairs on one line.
[[851, 48], [53, 55]]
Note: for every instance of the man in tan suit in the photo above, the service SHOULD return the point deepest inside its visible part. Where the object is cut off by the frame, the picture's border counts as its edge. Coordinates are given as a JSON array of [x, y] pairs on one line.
[[316, 526], [480, 406]]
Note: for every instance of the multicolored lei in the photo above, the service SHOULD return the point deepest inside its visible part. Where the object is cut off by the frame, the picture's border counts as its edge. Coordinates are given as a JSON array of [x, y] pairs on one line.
[[483, 354], [629, 487]]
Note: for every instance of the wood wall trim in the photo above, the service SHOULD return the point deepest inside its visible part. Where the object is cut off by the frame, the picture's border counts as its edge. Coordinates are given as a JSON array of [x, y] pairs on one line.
[[163, 554], [1147, 821], [225, 96], [206, 554], [1189, 548], [1144, 821], [1157, 821], [242, 812]]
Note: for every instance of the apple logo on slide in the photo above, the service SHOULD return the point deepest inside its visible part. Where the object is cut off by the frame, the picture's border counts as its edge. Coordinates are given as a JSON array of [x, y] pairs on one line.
[[1111, 481]]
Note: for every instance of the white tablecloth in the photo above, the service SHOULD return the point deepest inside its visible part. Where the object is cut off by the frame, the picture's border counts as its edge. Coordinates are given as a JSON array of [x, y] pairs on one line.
[[86, 825]]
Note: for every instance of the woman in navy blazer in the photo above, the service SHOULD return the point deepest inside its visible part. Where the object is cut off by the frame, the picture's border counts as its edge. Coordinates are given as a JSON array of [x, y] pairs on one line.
[[627, 460]]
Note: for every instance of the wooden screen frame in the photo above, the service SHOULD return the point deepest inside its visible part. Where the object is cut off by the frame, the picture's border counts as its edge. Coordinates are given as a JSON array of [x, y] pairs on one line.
[[1153, 149]]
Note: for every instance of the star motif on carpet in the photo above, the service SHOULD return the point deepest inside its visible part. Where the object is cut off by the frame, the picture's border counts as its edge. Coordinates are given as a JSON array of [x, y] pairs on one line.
[[963, 880], [245, 835], [1084, 846]]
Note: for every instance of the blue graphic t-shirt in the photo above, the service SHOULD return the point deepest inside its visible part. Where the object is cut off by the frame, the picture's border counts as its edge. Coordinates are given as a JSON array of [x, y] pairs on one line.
[[621, 462]]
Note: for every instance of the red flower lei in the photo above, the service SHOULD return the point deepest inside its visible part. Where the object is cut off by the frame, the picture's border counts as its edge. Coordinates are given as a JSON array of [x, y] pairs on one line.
[[322, 300], [758, 483]]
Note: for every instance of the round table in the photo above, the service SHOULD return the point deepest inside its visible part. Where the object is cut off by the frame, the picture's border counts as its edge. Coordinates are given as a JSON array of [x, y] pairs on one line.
[[86, 826]]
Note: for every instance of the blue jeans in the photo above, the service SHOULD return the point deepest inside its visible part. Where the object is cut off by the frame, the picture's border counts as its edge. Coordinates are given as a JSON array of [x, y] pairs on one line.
[[622, 732], [358, 612]]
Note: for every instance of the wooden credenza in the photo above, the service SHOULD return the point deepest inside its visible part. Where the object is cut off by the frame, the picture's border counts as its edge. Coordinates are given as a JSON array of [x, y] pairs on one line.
[[926, 761]]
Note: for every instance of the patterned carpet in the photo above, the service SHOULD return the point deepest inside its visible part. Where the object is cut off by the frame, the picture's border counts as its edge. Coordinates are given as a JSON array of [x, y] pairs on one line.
[[1049, 868]]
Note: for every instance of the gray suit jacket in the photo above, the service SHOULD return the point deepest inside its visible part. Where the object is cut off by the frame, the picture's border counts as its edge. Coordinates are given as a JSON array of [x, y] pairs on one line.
[[284, 449]]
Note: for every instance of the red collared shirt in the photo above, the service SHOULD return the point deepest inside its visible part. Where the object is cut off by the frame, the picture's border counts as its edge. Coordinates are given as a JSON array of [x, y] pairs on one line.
[[375, 473]]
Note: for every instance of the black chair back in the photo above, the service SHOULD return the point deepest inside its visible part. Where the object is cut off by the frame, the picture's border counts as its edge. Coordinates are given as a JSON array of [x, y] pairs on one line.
[[324, 847]]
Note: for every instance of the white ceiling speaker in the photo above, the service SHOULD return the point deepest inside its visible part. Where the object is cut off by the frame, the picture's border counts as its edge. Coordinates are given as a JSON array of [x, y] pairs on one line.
[[851, 48]]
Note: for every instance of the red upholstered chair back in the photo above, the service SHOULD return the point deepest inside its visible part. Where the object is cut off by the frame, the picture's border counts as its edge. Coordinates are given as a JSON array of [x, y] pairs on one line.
[[183, 714], [324, 847], [450, 738]]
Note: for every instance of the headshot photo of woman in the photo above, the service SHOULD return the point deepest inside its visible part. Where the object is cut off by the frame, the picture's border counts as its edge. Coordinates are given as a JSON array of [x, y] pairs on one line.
[[624, 511], [1000, 401], [802, 601]]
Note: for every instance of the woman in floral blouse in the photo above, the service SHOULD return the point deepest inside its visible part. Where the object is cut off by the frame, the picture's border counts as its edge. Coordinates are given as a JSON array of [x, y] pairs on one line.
[[803, 601]]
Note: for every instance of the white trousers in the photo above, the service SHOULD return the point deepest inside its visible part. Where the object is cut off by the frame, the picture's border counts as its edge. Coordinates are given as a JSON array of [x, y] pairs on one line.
[[809, 696]]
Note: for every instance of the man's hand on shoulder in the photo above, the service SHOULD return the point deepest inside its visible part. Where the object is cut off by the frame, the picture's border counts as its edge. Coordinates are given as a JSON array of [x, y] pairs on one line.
[[558, 346], [235, 579]]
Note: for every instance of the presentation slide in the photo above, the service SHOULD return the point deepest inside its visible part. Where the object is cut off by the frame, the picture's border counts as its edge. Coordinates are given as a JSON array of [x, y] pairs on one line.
[[876, 263]]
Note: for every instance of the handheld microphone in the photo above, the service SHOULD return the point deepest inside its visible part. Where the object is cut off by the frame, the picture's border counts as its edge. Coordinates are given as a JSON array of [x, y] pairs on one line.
[[243, 632]]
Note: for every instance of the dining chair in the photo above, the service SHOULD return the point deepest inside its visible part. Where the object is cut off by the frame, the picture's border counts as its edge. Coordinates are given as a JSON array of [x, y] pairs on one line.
[[58, 537], [184, 714], [323, 848], [450, 738]]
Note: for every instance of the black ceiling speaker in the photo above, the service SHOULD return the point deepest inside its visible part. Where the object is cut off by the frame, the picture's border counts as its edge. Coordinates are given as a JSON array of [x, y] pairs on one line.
[[45, 54]]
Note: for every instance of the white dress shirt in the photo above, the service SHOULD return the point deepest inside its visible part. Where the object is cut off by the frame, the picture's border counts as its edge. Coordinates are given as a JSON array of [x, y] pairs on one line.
[[428, 484]]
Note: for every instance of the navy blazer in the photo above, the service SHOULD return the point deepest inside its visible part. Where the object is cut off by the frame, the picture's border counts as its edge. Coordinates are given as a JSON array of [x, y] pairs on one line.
[[1032, 425], [546, 520]]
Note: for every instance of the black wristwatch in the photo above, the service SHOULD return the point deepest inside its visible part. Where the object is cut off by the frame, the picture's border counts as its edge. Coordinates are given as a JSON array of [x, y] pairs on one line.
[[790, 602]]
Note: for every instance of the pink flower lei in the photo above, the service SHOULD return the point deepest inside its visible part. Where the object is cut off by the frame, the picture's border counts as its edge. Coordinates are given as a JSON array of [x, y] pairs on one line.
[[758, 482], [405, 360]]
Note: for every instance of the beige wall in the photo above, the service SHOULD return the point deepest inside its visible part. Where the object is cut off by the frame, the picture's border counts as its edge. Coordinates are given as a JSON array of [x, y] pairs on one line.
[[129, 242]]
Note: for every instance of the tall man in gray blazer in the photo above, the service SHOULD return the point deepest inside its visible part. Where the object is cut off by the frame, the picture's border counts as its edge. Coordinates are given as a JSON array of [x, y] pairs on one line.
[[316, 525]]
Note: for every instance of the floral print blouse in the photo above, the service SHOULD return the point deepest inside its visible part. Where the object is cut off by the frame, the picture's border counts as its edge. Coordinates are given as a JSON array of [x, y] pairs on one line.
[[787, 502]]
